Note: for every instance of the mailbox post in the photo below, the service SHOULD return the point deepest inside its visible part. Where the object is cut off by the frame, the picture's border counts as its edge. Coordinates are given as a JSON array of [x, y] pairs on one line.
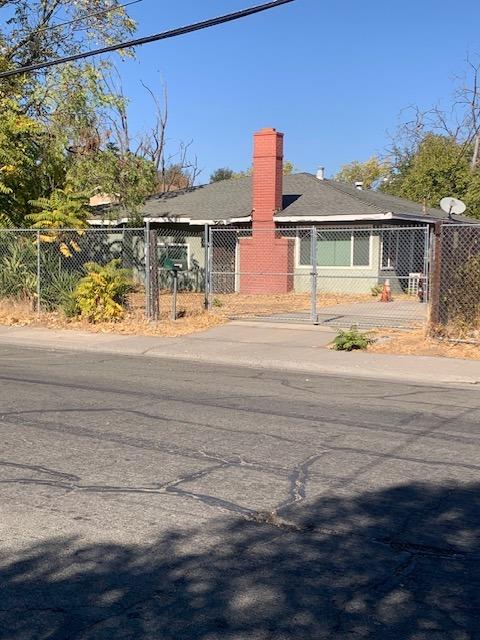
[[174, 268]]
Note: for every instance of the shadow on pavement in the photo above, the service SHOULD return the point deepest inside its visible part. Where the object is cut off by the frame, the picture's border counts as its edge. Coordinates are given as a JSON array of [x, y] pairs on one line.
[[399, 563]]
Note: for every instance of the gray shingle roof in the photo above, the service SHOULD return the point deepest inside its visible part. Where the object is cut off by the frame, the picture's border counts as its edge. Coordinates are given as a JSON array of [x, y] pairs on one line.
[[304, 196]]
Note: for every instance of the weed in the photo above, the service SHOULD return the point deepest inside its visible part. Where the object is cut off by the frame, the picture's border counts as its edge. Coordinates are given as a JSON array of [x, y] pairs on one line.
[[351, 340]]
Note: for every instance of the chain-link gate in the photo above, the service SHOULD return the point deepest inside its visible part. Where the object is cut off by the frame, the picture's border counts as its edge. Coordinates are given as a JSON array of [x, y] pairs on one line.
[[371, 277], [456, 283]]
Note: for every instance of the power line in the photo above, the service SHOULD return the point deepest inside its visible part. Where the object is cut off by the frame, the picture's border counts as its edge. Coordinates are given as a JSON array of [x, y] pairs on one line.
[[88, 15], [173, 33]]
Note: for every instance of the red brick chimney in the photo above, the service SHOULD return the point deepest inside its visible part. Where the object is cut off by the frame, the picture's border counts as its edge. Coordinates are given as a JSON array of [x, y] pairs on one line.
[[267, 177], [266, 257]]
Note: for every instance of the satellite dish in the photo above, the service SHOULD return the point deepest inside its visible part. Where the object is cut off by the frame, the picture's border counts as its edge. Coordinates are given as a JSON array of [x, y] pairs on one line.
[[452, 205]]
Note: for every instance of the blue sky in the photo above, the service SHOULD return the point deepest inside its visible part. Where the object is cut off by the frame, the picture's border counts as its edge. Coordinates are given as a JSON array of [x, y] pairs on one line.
[[333, 76]]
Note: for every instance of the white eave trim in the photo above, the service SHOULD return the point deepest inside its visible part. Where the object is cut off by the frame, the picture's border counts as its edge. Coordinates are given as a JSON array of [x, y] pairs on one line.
[[108, 223], [340, 218], [357, 217], [194, 222]]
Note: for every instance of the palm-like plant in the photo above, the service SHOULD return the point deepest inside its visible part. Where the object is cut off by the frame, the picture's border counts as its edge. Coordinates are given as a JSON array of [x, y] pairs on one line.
[[63, 210]]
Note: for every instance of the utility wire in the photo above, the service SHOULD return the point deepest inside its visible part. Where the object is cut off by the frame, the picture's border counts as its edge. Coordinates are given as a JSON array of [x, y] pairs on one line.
[[197, 26], [88, 15]]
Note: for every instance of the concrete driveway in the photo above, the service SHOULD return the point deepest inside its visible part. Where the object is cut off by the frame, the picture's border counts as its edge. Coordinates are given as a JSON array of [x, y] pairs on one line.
[[148, 498], [399, 314]]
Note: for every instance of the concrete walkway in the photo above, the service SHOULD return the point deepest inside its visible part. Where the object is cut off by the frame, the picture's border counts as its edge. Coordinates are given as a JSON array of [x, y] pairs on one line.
[[266, 346], [399, 314]]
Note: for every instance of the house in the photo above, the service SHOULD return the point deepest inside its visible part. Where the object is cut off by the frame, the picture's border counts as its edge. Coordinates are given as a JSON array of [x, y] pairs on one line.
[[261, 230]]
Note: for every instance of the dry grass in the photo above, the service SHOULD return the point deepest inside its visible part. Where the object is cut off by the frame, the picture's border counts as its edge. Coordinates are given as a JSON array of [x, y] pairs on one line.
[[416, 342], [266, 304], [21, 314]]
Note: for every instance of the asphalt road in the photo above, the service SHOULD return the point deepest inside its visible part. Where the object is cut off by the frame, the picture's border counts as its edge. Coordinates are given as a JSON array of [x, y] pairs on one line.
[[165, 500]]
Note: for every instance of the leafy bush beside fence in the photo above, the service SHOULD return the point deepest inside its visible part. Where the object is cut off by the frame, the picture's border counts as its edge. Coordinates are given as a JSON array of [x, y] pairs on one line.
[[100, 295], [42, 275]]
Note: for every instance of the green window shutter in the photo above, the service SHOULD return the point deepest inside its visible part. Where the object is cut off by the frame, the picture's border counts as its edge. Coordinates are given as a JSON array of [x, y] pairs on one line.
[[361, 249], [305, 257], [334, 249]]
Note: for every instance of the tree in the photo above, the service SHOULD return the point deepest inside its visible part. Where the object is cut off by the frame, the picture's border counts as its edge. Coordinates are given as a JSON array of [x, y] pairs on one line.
[[127, 178], [31, 162], [434, 153], [64, 209], [438, 168], [36, 31], [370, 173], [224, 173], [288, 168]]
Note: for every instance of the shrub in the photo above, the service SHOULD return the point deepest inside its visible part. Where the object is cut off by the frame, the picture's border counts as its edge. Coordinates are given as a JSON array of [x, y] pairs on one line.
[[462, 300], [100, 294], [18, 270], [58, 289], [351, 340]]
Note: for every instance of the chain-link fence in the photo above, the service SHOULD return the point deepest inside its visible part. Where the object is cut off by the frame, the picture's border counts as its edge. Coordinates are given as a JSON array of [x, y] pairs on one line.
[[456, 282], [372, 277], [368, 276], [40, 269], [176, 259]]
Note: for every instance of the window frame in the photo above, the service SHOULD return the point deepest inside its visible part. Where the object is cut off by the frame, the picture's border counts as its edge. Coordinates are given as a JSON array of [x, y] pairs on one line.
[[161, 244], [351, 267]]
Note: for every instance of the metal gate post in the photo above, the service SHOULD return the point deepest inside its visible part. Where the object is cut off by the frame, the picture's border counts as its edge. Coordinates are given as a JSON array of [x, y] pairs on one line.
[[426, 268], [146, 237], [39, 275], [206, 241], [314, 274], [436, 281], [153, 289]]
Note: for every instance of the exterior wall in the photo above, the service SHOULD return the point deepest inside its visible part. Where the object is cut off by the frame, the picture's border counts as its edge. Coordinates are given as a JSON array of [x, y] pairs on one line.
[[271, 258], [410, 259], [193, 278], [341, 279]]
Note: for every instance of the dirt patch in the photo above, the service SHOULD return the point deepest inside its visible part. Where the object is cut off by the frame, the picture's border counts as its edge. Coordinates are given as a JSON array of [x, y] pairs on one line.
[[237, 304], [416, 342], [22, 314]]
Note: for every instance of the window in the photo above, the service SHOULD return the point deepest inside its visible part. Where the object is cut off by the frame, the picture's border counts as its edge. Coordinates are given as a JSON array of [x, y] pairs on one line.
[[390, 242], [175, 252], [337, 248]]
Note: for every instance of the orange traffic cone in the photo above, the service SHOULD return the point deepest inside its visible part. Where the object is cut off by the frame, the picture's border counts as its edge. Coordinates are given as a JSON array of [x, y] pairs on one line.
[[386, 295]]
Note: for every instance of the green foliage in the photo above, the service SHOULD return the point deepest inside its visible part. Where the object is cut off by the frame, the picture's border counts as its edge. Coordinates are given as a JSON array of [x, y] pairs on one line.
[[371, 172], [351, 340], [62, 210], [18, 272], [438, 168], [100, 294], [224, 173], [127, 178], [30, 162], [58, 287], [376, 290], [216, 302]]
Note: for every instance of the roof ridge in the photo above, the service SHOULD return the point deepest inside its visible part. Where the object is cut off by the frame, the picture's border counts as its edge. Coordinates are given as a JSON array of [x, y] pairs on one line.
[[334, 185]]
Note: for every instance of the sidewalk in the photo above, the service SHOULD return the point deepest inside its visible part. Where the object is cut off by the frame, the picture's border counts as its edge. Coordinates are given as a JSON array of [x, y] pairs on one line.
[[259, 345]]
